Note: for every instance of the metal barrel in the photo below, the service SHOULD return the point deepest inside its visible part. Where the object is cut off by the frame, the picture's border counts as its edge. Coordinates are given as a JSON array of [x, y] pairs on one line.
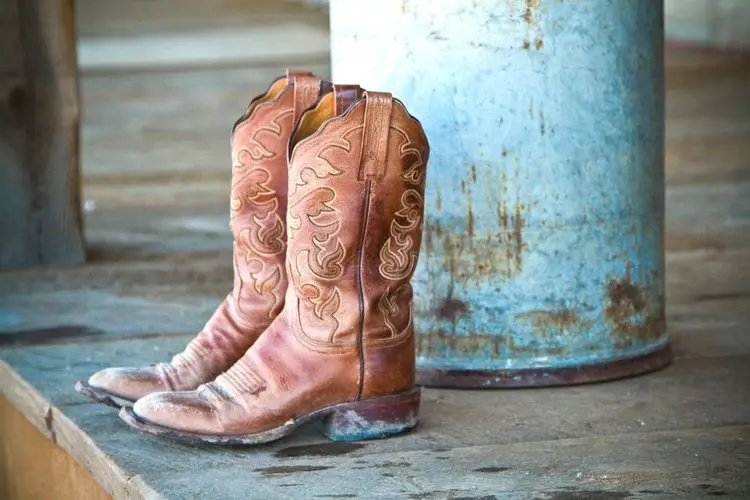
[[542, 260]]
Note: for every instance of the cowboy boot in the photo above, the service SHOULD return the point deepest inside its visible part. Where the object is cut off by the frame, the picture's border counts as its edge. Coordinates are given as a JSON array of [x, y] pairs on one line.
[[258, 206], [342, 350]]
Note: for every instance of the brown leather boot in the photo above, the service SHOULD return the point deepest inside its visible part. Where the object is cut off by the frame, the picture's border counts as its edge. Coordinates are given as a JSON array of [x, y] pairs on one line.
[[258, 209], [342, 350]]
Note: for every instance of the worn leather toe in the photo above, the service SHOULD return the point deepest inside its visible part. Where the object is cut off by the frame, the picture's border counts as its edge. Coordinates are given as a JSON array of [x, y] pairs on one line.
[[183, 410], [128, 383]]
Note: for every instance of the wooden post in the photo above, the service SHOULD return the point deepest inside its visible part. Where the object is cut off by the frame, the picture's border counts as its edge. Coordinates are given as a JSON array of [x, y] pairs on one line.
[[40, 210]]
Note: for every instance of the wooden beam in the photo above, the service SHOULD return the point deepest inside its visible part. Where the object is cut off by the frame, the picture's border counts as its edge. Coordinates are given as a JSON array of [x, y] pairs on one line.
[[32, 466], [40, 214]]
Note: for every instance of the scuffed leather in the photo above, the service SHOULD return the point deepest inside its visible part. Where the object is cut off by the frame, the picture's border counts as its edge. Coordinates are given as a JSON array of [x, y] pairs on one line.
[[258, 224], [354, 222]]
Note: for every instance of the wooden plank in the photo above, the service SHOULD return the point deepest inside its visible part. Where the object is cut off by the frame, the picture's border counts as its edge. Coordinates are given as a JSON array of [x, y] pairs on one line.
[[697, 391], [160, 131], [642, 462], [50, 423], [32, 466], [708, 22], [673, 427], [708, 218], [39, 121], [127, 37], [286, 43], [707, 276], [105, 18], [670, 465], [707, 134]]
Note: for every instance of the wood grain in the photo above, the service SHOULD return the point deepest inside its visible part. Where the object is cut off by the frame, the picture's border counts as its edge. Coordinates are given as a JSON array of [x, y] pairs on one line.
[[33, 467], [39, 127]]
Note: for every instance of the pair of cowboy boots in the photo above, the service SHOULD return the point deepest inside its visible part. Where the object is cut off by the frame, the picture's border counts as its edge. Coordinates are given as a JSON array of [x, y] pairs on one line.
[[326, 214]]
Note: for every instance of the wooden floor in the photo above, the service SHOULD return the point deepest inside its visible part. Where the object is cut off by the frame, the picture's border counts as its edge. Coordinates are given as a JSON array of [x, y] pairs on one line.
[[156, 172]]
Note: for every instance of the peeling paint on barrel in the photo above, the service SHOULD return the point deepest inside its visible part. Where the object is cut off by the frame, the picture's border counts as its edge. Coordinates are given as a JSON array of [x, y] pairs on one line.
[[543, 233]]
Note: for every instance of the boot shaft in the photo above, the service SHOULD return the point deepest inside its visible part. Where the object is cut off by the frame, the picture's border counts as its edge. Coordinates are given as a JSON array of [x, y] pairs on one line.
[[259, 193], [356, 207]]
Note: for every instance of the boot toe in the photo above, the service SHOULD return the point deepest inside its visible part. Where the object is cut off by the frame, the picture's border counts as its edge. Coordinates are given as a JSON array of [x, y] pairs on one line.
[[127, 383], [184, 411]]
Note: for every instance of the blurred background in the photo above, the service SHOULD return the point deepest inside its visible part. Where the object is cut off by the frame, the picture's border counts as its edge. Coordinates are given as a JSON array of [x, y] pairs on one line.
[[161, 84], [163, 80]]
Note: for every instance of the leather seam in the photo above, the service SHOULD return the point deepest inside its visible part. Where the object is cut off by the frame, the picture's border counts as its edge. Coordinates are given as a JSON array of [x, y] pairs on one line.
[[361, 290]]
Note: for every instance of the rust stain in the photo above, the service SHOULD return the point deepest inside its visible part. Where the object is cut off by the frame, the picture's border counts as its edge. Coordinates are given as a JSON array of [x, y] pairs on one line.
[[531, 23], [627, 309], [451, 309], [554, 322], [529, 16], [502, 216], [517, 237], [511, 224], [625, 298], [652, 327], [469, 250], [512, 228], [469, 210], [480, 344], [465, 260], [540, 318]]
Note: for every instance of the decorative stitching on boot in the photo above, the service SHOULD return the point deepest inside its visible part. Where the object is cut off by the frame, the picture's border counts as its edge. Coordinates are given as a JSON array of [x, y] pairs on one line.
[[388, 306], [397, 256], [240, 379]]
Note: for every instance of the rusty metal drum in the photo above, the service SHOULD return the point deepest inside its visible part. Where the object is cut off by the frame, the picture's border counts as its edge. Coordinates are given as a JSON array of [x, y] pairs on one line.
[[543, 258]]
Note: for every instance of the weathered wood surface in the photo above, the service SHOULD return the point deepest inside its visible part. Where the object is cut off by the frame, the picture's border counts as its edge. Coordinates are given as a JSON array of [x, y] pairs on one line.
[[173, 35], [24, 476], [40, 219], [622, 438], [156, 173]]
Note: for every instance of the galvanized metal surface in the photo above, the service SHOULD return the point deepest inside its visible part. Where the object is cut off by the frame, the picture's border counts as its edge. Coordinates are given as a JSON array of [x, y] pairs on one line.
[[543, 244]]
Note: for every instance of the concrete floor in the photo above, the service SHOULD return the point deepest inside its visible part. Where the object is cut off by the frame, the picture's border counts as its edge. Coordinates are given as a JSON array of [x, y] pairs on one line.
[[156, 174]]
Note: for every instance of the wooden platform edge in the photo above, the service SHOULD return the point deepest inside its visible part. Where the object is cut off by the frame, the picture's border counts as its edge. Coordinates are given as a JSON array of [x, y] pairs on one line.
[[59, 429], [32, 466]]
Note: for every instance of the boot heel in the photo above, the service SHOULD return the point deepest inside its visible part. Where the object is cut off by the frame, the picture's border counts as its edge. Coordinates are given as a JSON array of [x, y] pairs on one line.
[[375, 418]]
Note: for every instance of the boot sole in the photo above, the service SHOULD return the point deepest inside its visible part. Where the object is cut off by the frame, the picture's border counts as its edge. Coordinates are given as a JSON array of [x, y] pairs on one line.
[[376, 418], [102, 396]]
